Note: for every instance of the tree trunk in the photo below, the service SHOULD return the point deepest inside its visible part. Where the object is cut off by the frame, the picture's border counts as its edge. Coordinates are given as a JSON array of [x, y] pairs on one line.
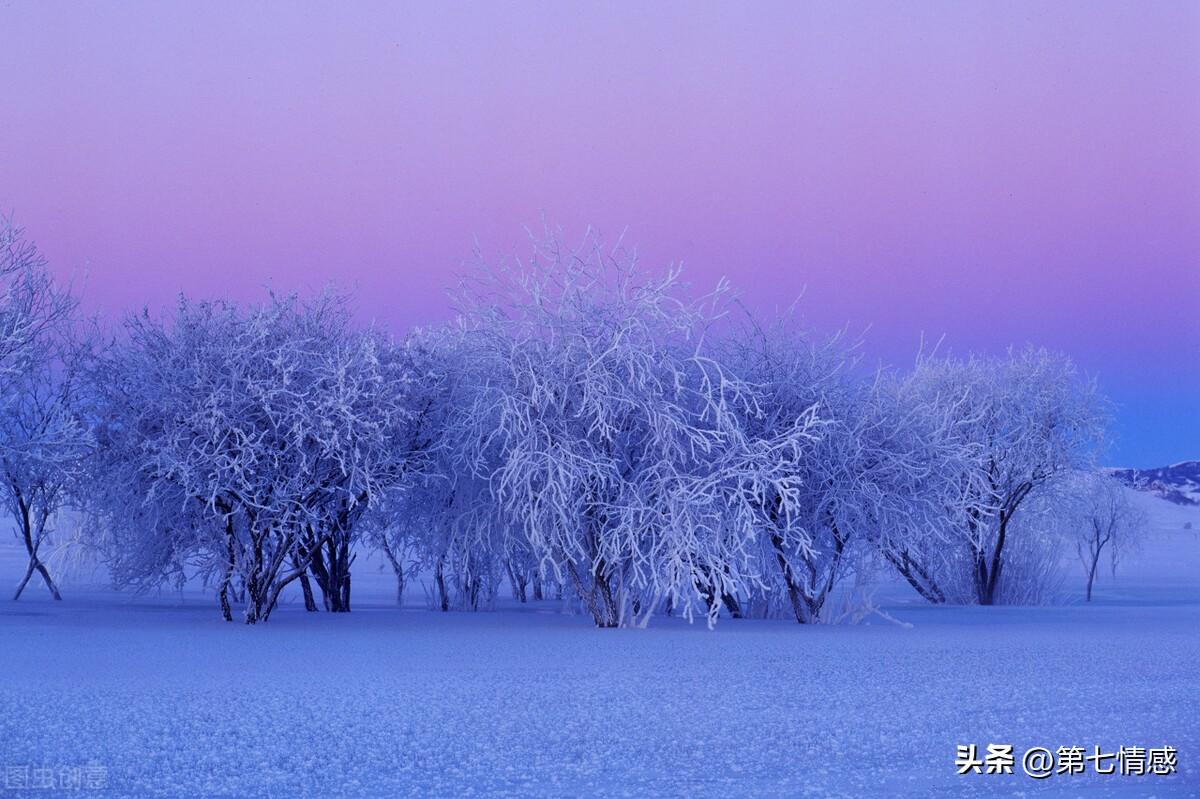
[[612, 616], [24, 580], [40, 568], [256, 583], [598, 598], [916, 576], [310, 604], [254, 606], [989, 577], [1092, 573], [517, 581], [223, 591], [789, 580], [331, 569], [398, 568], [439, 577], [31, 547], [230, 565]]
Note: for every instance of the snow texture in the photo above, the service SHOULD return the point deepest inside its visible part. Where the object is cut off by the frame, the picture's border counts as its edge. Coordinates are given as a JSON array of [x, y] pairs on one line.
[[171, 701]]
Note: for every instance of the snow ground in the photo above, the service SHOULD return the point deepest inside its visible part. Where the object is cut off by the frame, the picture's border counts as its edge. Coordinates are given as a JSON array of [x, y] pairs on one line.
[[167, 700]]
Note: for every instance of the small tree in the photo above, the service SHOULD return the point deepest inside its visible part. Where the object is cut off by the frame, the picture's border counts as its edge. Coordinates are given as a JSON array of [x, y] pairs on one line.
[[42, 438], [1105, 522], [46, 445], [1021, 422]]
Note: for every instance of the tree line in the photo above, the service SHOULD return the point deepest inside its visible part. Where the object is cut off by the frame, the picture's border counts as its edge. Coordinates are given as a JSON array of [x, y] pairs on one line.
[[582, 428]]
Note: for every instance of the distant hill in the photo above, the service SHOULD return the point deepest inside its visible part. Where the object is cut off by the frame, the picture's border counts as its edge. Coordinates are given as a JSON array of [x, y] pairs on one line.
[[1179, 483]]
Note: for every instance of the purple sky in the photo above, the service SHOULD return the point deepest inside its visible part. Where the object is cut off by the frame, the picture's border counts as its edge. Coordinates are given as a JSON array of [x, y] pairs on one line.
[[999, 173]]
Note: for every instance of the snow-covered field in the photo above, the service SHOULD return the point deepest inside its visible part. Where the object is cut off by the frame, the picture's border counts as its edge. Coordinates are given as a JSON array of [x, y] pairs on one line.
[[156, 696]]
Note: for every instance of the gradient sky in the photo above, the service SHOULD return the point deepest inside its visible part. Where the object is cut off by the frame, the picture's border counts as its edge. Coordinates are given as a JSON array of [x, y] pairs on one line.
[[997, 173]]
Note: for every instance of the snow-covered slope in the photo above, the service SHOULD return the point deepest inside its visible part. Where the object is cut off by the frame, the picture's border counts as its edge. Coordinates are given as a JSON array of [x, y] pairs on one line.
[[1178, 483]]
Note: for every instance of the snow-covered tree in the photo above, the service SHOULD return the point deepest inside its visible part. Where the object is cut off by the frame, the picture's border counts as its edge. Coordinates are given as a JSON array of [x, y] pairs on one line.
[[876, 481], [923, 470], [373, 389], [810, 536], [31, 306], [42, 438], [445, 517], [46, 443], [1013, 425], [612, 439], [245, 442], [1101, 520]]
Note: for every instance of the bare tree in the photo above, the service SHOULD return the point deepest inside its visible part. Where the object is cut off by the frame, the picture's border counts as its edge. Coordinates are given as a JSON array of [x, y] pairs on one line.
[[1105, 521]]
